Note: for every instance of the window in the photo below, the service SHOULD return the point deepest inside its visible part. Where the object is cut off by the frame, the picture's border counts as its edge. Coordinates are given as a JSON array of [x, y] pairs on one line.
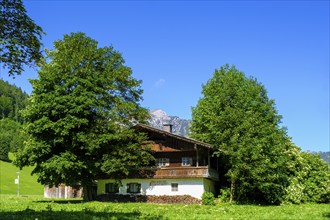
[[111, 188], [133, 188], [163, 162], [174, 187], [186, 161]]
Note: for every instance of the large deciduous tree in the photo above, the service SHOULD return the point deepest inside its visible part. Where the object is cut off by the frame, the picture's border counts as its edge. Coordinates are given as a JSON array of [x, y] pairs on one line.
[[241, 122], [80, 117], [20, 37]]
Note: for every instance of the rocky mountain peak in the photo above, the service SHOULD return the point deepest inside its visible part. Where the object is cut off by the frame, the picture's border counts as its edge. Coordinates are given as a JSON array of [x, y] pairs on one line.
[[158, 113], [160, 117]]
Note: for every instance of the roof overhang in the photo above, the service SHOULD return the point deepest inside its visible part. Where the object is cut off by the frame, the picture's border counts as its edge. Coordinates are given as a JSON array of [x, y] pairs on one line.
[[169, 134]]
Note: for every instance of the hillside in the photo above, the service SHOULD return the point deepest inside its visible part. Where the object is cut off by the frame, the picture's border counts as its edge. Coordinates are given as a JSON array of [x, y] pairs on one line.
[[12, 100], [28, 183]]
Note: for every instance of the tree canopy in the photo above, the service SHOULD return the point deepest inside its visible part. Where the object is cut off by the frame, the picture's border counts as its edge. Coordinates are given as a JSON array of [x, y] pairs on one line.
[[20, 37], [241, 122], [80, 116]]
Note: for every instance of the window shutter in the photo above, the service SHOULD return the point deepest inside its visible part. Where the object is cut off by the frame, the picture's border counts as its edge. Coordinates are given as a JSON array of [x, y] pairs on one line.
[[133, 187], [107, 187]]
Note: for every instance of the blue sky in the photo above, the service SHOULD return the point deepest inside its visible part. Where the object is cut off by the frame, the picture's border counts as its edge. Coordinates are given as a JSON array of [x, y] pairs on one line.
[[174, 48]]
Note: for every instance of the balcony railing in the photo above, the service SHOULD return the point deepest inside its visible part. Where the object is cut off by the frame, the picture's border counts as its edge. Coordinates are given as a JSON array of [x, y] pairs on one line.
[[186, 172]]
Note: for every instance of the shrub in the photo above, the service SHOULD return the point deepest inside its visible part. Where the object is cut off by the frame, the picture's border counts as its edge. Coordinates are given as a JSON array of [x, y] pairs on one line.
[[294, 192], [208, 198], [310, 180], [224, 195]]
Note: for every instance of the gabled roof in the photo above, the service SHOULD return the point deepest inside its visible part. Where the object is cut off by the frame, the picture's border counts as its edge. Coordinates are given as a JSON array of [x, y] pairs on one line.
[[169, 134]]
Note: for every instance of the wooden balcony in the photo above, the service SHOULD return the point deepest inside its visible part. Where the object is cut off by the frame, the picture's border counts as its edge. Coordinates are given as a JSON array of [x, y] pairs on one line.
[[186, 172]]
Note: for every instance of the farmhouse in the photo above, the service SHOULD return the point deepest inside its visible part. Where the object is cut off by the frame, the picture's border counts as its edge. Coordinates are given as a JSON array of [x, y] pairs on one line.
[[183, 167]]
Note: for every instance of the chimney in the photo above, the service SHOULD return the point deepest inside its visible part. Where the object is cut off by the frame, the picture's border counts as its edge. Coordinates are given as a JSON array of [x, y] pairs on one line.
[[167, 127]]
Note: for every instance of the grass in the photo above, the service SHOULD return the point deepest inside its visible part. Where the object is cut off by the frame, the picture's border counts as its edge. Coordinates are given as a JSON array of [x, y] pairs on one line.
[[28, 183], [36, 207]]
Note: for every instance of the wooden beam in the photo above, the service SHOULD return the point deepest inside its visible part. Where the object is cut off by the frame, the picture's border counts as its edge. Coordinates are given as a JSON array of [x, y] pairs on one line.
[[197, 158], [208, 158]]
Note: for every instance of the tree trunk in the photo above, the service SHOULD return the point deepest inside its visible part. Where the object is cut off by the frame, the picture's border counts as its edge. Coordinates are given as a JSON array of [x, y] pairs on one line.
[[232, 190], [88, 192]]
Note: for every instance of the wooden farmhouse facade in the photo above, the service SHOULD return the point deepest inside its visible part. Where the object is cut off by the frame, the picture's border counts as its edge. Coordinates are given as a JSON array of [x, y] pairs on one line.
[[183, 167]]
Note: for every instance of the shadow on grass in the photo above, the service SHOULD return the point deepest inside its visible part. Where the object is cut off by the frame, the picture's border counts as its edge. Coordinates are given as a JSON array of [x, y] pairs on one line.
[[61, 201], [86, 214], [326, 215]]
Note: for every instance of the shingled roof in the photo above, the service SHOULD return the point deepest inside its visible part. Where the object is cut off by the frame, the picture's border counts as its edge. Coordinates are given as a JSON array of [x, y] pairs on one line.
[[166, 133]]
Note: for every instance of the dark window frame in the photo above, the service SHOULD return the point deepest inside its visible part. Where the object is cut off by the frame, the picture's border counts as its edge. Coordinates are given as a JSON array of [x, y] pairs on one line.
[[174, 187], [133, 188], [163, 162], [186, 161], [111, 188]]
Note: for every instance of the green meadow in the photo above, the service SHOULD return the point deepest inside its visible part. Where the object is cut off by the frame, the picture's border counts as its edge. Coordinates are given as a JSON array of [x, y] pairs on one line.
[[28, 183], [36, 207]]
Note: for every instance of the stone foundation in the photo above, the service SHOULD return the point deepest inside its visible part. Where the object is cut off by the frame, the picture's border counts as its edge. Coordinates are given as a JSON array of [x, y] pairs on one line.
[[185, 199]]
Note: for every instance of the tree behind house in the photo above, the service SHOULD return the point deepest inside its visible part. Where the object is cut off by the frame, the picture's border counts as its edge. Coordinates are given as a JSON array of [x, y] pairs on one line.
[[80, 116], [241, 122]]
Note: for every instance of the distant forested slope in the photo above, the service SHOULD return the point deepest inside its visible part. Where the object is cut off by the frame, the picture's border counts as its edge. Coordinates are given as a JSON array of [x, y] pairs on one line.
[[12, 100]]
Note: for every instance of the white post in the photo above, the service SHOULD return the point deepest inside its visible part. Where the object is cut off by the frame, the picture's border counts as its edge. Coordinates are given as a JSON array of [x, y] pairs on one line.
[[18, 183], [66, 192]]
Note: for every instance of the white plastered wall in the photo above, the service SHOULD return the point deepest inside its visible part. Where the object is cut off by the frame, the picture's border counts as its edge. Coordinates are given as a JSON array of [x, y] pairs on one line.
[[190, 186]]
